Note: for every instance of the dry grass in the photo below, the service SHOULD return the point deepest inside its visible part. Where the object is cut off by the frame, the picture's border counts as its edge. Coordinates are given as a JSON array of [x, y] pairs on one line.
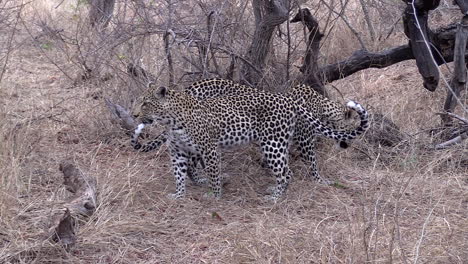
[[406, 206]]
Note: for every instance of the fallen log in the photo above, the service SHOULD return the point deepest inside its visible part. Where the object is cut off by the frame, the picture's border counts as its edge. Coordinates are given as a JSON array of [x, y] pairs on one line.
[[361, 60], [65, 219], [443, 41]]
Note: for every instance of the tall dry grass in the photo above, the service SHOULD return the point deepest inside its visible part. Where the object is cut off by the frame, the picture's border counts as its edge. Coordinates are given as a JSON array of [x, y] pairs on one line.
[[405, 204]]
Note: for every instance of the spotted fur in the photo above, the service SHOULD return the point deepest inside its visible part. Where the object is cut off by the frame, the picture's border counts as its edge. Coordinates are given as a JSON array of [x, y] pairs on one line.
[[196, 128], [333, 114]]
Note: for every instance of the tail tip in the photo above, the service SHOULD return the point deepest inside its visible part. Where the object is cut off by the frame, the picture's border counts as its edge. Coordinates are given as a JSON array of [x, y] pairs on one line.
[[352, 104], [139, 128], [343, 144]]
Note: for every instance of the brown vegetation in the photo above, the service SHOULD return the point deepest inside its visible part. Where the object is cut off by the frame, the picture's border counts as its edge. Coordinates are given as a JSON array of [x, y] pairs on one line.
[[403, 202]]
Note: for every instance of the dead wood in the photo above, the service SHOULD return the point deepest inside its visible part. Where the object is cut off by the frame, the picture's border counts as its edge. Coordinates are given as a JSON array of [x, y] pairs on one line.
[[463, 4], [458, 82], [383, 132], [464, 120], [310, 66], [416, 28], [64, 220], [362, 59], [454, 141], [63, 229], [123, 116], [453, 133], [443, 41]]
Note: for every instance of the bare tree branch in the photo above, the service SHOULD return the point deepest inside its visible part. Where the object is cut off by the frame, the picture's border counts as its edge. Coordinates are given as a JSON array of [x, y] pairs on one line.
[[443, 41], [367, 18], [451, 142], [458, 82], [310, 68], [464, 120], [345, 20]]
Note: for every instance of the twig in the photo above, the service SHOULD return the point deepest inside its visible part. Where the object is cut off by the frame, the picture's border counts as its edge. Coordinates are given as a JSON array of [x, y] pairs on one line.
[[451, 142], [44, 53], [243, 60], [368, 19], [59, 4], [464, 120], [288, 57], [343, 17], [423, 229]]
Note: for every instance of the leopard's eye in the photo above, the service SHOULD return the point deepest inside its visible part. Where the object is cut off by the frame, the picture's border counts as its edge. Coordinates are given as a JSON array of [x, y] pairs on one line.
[[144, 105]]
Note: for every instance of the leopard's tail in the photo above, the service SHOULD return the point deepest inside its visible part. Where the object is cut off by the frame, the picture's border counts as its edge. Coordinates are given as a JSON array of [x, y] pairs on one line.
[[148, 146], [134, 141], [340, 136]]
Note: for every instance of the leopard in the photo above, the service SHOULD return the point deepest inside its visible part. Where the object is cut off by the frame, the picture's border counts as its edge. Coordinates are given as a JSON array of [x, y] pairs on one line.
[[196, 129], [332, 113]]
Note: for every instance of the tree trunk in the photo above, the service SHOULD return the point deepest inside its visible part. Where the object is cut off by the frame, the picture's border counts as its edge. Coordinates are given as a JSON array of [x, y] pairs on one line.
[[458, 82], [268, 15], [416, 28], [310, 67], [100, 12]]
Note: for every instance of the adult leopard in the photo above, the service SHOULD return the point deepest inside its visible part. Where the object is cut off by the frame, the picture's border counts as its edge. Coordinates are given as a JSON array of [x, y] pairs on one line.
[[333, 114], [196, 128]]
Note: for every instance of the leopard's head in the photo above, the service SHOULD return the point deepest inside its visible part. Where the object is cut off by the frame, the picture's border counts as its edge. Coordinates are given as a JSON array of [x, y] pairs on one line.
[[338, 116], [153, 106]]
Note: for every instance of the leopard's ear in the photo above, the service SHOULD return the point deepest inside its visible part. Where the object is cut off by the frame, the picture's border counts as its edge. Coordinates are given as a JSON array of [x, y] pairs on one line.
[[151, 84], [160, 92]]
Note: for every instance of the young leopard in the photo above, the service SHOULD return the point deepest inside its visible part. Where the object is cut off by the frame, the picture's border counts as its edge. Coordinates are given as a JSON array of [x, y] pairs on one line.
[[330, 112], [196, 128]]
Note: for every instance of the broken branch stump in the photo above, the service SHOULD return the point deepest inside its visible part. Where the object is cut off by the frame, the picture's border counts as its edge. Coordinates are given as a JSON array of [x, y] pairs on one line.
[[64, 220], [126, 121]]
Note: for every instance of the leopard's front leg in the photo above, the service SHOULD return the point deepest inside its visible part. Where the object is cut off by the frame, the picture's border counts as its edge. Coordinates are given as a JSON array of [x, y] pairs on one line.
[[179, 160]]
